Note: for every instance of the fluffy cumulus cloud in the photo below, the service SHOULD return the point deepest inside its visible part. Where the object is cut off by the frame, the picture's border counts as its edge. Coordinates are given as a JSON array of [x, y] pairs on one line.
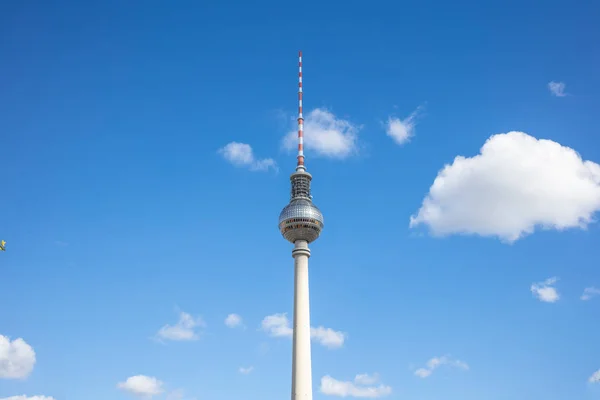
[[325, 135], [545, 291], [23, 397], [589, 292], [233, 321], [557, 88], [595, 378], [142, 385], [278, 325], [187, 328], [17, 358], [401, 130], [242, 155], [366, 379], [515, 184], [363, 385], [437, 362], [328, 337]]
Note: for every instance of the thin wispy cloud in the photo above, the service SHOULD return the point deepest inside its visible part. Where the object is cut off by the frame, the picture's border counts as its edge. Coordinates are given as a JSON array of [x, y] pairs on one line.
[[595, 378], [187, 328], [557, 88], [278, 325], [545, 291], [363, 386], [402, 130], [515, 185], [23, 397], [142, 385], [246, 370], [589, 293], [437, 362], [176, 394], [262, 349], [325, 135], [242, 155]]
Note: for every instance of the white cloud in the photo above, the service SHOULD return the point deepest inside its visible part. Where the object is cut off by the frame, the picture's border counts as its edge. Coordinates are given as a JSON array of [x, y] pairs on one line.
[[233, 320], [362, 386], [401, 130], [366, 379], [423, 372], [545, 291], [241, 155], [23, 397], [141, 385], [278, 325], [437, 362], [246, 370], [17, 358], [185, 329], [557, 88], [325, 135], [515, 184], [328, 337], [589, 292], [178, 394], [595, 378]]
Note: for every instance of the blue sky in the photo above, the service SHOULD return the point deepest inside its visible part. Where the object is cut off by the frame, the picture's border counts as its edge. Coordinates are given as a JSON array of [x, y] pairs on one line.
[[133, 231]]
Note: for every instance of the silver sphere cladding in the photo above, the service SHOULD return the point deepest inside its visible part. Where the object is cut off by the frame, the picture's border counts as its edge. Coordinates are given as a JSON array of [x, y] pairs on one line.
[[300, 220]]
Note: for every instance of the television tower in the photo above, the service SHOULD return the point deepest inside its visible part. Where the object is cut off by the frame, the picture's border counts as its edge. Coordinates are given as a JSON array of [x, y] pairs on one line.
[[301, 222]]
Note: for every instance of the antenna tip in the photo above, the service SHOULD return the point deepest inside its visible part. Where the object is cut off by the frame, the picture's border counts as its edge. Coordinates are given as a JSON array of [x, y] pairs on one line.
[[300, 53]]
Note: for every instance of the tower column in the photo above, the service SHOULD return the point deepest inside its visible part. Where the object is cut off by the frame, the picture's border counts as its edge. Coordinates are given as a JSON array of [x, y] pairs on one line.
[[301, 359]]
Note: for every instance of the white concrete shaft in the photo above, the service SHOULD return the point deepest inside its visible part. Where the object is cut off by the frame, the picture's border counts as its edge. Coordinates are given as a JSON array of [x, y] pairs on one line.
[[301, 360]]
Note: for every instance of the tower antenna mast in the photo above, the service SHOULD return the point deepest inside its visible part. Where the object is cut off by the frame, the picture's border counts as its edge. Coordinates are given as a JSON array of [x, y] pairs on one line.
[[300, 117]]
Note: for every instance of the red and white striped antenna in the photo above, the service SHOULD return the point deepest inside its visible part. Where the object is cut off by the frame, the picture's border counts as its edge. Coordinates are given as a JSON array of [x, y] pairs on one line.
[[300, 117]]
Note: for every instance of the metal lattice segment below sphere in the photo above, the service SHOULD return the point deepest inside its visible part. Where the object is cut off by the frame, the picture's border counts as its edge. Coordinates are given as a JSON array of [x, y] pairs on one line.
[[300, 220]]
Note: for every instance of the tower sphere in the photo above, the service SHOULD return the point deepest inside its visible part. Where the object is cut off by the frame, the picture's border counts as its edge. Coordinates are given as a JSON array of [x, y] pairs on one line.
[[301, 219]]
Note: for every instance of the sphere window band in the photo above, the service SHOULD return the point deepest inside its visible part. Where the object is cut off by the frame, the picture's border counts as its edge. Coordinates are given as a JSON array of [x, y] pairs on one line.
[[305, 226], [311, 220], [297, 223]]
